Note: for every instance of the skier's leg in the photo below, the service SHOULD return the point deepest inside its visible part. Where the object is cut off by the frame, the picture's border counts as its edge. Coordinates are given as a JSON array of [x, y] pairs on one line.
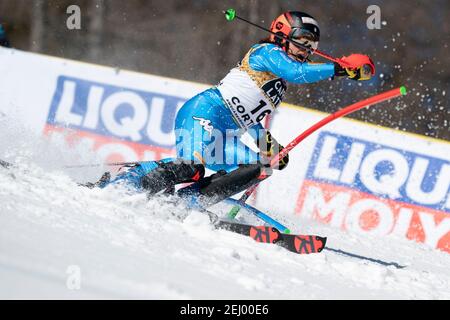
[[169, 174], [155, 176], [200, 125], [133, 174], [201, 129], [233, 177], [193, 127], [222, 185]]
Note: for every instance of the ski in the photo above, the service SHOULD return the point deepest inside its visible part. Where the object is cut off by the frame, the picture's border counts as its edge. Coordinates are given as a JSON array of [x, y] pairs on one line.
[[301, 244], [297, 243]]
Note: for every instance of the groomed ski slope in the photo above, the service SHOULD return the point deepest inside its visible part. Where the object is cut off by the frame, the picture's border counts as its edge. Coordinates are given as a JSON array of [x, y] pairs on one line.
[[127, 247]]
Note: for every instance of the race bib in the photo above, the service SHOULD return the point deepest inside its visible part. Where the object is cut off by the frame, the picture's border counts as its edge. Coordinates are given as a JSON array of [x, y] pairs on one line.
[[248, 102], [248, 115]]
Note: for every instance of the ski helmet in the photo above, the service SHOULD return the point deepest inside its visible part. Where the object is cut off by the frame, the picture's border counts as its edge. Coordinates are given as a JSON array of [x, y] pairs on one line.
[[296, 25]]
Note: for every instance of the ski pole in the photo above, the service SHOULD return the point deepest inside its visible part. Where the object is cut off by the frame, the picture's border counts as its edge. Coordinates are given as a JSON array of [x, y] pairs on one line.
[[111, 164], [261, 215], [341, 113], [230, 15]]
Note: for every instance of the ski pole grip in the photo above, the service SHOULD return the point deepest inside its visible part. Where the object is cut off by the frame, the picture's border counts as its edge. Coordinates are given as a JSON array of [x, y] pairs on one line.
[[230, 14]]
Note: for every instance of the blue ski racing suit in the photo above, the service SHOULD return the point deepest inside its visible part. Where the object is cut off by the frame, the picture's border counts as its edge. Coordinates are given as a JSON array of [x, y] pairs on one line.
[[207, 128]]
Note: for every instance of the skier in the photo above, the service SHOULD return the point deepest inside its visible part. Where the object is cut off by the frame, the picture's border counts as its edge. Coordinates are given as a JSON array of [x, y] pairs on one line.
[[3, 39], [238, 104]]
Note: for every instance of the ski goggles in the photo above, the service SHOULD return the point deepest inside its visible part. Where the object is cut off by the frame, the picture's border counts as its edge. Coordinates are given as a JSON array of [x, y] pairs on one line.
[[304, 38]]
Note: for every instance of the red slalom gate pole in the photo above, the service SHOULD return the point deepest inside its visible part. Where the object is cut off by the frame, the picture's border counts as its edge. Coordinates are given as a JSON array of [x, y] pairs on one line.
[[341, 113]]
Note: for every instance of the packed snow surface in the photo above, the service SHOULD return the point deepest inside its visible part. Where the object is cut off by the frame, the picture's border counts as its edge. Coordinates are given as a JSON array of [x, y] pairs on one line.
[[62, 240]]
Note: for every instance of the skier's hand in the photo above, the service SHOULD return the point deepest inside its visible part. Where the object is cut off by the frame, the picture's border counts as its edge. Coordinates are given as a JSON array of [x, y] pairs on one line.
[[359, 73], [355, 67], [270, 148], [283, 162]]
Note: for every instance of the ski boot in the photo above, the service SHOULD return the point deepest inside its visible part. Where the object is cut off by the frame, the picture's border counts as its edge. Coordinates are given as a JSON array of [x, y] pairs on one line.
[[154, 176], [104, 180], [169, 174]]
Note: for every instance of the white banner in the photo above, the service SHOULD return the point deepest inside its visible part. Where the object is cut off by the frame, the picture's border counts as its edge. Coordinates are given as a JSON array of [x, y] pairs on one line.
[[351, 175]]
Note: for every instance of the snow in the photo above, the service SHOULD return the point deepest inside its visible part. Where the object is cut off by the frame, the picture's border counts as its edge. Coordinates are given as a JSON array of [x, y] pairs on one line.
[[125, 246], [61, 240]]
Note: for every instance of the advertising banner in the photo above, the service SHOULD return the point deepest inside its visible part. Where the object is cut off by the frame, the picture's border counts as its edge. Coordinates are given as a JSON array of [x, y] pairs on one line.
[[351, 175]]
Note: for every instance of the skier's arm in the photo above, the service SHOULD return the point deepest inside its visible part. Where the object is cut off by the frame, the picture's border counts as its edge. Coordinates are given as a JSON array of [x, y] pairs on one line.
[[273, 59]]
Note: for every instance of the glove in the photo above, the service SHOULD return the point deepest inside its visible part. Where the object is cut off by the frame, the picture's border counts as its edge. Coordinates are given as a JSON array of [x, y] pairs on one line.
[[269, 148], [356, 67]]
